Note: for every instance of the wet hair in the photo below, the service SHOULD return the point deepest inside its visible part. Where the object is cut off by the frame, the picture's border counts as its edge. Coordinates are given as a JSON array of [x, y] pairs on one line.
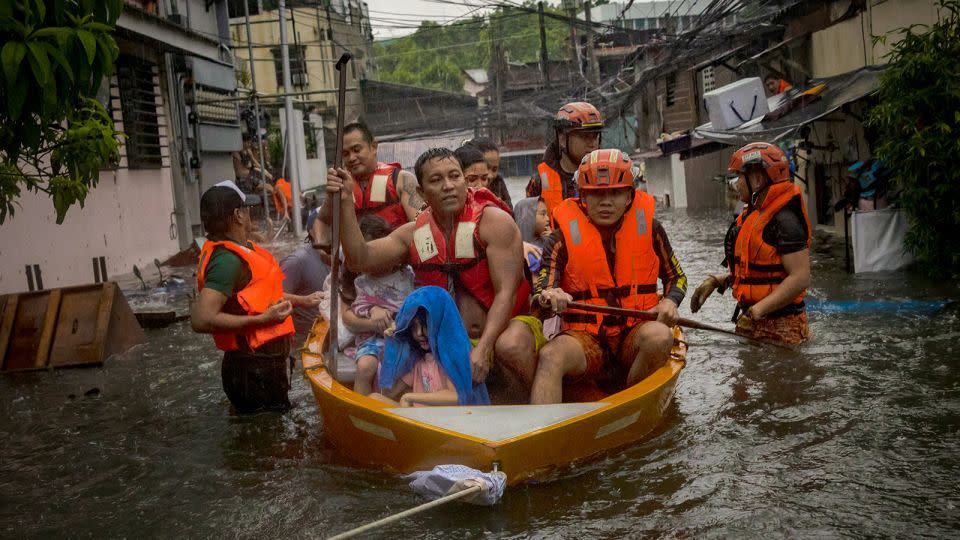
[[772, 75], [468, 154], [373, 227], [484, 144], [362, 128], [433, 153]]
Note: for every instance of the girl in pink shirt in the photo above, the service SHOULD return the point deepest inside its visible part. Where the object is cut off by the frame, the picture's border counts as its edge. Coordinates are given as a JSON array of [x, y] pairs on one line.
[[426, 383]]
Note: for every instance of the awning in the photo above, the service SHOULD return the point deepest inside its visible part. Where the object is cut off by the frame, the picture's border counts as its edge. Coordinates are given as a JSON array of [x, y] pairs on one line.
[[839, 91], [171, 35]]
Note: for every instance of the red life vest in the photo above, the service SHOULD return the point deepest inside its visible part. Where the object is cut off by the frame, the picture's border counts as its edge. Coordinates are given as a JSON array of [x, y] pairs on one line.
[[462, 261], [632, 284], [380, 195], [264, 289], [551, 186], [757, 267]]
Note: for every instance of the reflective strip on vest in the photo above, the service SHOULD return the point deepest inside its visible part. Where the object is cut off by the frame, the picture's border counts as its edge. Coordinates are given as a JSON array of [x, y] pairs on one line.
[[463, 260], [587, 275], [551, 187], [264, 289], [757, 267]]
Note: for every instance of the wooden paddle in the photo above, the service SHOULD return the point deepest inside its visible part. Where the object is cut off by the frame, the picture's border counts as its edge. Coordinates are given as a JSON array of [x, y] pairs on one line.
[[335, 224], [686, 323]]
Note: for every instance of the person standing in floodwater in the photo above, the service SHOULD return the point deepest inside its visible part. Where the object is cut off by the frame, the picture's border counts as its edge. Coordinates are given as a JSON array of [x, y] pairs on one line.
[[242, 303], [767, 250]]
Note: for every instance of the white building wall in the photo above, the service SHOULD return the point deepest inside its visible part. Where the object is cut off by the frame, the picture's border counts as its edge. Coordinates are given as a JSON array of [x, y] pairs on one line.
[[125, 219]]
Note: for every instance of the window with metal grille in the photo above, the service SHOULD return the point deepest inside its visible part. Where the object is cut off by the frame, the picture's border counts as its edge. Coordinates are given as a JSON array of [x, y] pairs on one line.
[[671, 89], [298, 65], [138, 105], [708, 79]]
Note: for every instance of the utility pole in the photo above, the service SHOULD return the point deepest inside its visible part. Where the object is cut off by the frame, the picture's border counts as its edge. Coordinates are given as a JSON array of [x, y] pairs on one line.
[[575, 56], [592, 68], [544, 60], [256, 110], [294, 170]]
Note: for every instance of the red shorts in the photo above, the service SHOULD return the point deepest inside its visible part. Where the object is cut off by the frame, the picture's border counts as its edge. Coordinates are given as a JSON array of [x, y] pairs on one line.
[[608, 362]]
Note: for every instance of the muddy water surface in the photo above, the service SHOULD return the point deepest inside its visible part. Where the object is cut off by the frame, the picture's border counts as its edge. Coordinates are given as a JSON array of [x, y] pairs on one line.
[[855, 434]]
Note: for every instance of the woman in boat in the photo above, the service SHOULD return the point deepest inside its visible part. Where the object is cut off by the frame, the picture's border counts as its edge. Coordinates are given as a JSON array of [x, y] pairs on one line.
[[767, 250], [426, 359], [378, 298]]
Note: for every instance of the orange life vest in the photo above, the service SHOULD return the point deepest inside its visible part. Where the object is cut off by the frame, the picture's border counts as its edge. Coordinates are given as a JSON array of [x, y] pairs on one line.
[[551, 186], [264, 289], [282, 189], [462, 261], [757, 267], [632, 284], [380, 195]]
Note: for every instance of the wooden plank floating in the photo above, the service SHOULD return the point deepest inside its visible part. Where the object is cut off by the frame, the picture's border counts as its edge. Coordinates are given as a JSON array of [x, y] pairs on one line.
[[72, 326]]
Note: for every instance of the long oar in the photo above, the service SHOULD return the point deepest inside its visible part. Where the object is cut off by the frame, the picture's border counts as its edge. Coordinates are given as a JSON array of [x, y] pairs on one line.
[[335, 225], [686, 323], [406, 513]]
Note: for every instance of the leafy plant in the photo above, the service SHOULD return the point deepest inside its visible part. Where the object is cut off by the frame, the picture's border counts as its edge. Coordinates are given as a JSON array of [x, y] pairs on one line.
[[917, 121], [54, 135]]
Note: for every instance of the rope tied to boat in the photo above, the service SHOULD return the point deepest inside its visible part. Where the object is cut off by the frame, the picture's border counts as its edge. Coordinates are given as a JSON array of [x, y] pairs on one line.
[[443, 484]]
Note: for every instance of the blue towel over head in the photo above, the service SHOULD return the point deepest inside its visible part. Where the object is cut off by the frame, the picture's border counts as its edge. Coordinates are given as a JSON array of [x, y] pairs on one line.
[[448, 340]]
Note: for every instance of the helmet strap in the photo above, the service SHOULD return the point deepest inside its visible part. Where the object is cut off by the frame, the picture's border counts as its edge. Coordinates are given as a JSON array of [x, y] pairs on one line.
[[565, 151]]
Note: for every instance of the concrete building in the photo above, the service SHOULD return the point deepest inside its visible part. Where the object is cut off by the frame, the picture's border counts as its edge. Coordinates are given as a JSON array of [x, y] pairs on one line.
[[167, 96], [318, 33], [673, 16]]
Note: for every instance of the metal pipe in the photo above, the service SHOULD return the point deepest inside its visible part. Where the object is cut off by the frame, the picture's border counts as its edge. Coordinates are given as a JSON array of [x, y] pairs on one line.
[[291, 121], [256, 112]]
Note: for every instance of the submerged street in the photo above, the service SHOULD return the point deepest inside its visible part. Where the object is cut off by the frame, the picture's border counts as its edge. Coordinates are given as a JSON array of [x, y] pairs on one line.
[[854, 434]]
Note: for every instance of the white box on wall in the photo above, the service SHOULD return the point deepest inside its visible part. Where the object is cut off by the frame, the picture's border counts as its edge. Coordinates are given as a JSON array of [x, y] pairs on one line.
[[736, 103]]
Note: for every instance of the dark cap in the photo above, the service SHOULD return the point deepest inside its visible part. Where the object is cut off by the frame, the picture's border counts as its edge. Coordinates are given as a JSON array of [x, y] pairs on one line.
[[219, 202]]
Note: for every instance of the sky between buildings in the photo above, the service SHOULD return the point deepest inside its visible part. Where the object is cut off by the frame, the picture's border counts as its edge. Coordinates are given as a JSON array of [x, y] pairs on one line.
[[392, 18]]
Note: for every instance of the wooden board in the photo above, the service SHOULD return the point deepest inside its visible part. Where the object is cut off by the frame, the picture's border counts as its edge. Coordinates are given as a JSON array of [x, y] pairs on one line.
[[72, 326], [31, 311]]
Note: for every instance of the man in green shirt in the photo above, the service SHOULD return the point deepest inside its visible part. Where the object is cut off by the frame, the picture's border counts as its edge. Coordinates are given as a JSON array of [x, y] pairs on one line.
[[241, 302]]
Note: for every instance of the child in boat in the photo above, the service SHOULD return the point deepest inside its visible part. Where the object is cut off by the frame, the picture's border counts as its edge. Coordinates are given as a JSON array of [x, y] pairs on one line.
[[427, 360], [534, 223], [426, 383], [378, 298], [347, 342]]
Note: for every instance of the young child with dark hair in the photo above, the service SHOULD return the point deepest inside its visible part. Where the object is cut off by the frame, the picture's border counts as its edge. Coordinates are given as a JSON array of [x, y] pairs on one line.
[[378, 298], [426, 383]]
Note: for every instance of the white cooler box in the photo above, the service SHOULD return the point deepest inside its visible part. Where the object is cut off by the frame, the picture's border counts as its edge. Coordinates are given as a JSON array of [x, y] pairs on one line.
[[736, 103]]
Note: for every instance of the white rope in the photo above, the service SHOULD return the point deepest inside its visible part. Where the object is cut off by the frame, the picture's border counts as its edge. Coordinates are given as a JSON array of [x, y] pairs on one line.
[[416, 510]]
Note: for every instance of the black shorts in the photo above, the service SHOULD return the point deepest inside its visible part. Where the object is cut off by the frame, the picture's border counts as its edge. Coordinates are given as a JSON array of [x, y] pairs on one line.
[[257, 381]]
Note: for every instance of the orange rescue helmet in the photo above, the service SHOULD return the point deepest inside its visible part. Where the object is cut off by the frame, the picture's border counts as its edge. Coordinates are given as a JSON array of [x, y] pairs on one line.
[[605, 169], [578, 115], [769, 156]]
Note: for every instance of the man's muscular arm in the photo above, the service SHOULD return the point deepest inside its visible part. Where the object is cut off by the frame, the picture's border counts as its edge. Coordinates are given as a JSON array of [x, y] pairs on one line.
[[505, 257], [370, 257], [410, 200]]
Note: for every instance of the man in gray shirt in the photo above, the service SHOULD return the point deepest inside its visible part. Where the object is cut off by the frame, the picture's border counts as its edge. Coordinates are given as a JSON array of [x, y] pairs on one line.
[[304, 272]]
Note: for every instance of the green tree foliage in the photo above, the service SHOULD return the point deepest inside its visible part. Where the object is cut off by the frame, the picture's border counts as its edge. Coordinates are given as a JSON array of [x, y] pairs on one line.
[[54, 135], [434, 55], [918, 124]]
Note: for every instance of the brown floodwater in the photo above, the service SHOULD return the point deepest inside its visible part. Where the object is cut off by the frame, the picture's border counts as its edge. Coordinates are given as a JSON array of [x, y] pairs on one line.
[[853, 435]]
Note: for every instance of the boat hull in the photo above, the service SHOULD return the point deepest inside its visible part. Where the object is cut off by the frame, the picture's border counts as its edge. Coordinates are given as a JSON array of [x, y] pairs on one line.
[[524, 441]]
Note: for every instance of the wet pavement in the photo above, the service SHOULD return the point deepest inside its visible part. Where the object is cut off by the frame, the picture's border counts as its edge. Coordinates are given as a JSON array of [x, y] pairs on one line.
[[855, 434]]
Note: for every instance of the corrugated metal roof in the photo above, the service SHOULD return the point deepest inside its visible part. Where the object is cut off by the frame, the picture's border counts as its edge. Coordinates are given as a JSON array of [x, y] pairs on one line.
[[477, 75]]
